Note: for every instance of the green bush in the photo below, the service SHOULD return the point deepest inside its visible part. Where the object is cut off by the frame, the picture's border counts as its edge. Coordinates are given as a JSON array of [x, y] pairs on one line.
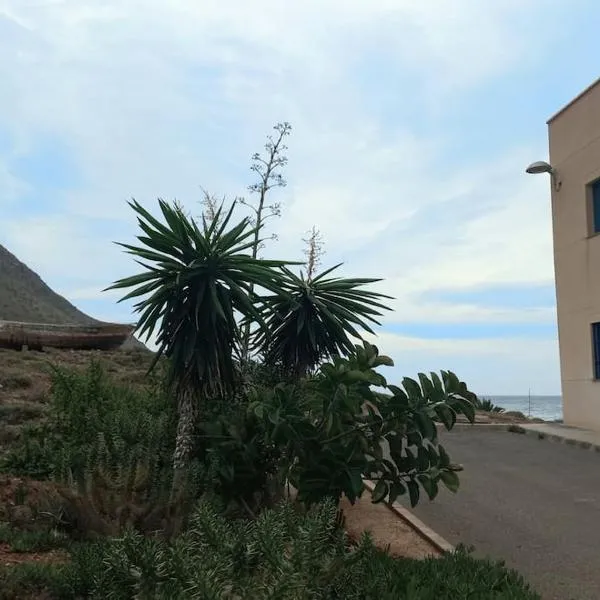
[[33, 454], [109, 446], [486, 405], [333, 430], [32, 580], [90, 415], [31, 541], [72, 580], [283, 554], [241, 466]]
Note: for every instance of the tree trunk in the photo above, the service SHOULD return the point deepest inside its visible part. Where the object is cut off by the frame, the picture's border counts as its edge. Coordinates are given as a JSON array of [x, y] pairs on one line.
[[184, 442]]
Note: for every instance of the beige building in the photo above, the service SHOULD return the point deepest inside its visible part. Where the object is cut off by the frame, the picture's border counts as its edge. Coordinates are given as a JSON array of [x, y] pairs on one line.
[[574, 135]]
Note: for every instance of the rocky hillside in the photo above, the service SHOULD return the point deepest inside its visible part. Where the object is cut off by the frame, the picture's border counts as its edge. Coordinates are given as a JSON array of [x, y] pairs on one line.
[[25, 297]]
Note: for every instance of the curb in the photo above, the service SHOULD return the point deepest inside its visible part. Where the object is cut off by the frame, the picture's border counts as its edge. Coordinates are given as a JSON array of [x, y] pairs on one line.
[[541, 435], [436, 540], [491, 426]]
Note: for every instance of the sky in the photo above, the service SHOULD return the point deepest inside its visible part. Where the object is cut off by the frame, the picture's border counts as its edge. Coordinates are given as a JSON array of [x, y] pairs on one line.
[[412, 123]]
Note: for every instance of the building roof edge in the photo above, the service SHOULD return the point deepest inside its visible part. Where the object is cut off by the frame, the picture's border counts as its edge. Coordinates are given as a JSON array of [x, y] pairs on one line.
[[576, 99]]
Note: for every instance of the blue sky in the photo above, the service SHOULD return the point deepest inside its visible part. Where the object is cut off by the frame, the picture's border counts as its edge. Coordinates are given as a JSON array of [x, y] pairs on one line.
[[413, 123]]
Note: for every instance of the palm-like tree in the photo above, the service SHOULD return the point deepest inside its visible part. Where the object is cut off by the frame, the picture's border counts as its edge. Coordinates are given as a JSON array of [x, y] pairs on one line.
[[312, 319], [197, 282]]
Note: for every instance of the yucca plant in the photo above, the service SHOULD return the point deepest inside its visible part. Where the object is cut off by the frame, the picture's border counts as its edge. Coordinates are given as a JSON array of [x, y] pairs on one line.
[[314, 318], [486, 405], [197, 283]]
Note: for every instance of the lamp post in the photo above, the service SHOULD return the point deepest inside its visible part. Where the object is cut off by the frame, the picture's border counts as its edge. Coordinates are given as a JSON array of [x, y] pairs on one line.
[[541, 166]]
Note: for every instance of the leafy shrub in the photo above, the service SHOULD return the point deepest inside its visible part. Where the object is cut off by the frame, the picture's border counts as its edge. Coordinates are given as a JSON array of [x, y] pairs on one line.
[[31, 580], [334, 429], [33, 454], [110, 445], [486, 405], [283, 554], [516, 429], [31, 541], [241, 465]]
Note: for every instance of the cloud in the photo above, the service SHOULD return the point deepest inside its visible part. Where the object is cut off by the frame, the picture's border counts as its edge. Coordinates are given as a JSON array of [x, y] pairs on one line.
[[155, 99], [509, 366]]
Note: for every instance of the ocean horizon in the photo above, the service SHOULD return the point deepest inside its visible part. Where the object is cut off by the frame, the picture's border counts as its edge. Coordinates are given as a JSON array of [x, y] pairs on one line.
[[548, 408]]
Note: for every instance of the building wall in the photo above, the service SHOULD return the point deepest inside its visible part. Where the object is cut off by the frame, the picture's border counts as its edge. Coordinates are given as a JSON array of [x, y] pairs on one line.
[[575, 154]]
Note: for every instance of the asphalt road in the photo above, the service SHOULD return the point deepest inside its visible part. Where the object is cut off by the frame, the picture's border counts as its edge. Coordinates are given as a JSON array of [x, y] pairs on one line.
[[533, 503]]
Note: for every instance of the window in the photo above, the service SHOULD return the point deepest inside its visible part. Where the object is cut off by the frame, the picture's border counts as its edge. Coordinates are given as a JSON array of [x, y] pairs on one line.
[[596, 349], [595, 189]]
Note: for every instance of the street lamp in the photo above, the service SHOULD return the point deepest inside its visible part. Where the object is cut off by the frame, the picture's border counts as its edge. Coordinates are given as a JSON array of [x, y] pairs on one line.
[[540, 166]]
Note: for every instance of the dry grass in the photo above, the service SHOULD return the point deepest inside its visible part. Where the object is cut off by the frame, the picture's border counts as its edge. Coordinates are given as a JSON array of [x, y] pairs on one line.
[[25, 381]]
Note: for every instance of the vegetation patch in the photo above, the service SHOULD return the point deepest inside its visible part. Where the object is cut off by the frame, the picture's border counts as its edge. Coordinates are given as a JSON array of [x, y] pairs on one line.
[[284, 553], [171, 484], [516, 429], [14, 380], [486, 405]]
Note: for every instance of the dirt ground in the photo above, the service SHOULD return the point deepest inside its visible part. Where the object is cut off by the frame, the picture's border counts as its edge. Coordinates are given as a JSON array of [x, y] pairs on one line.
[[386, 528], [9, 557]]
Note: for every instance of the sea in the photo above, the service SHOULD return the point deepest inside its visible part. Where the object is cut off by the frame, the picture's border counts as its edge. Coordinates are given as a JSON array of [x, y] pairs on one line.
[[548, 408]]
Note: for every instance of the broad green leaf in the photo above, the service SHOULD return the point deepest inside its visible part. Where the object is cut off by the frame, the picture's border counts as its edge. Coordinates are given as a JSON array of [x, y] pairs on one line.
[[356, 375], [397, 489], [380, 492], [465, 407], [426, 426], [356, 482], [375, 449], [413, 389], [444, 458], [434, 458], [426, 385], [395, 444], [422, 459], [413, 492], [429, 485], [382, 361], [451, 480], [452, 383], [414, 438], [447, 415], [399, 400], [437, 382]]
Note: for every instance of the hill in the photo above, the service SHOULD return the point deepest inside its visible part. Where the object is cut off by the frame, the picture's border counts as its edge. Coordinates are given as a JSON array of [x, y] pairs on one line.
[[25, 297]]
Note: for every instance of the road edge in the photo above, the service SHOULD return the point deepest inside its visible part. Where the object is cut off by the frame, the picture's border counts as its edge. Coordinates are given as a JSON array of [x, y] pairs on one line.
[[428, 534], [532, 430]]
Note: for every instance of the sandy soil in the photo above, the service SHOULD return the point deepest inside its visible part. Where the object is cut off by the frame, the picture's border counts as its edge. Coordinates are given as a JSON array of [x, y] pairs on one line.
[[387, 529]]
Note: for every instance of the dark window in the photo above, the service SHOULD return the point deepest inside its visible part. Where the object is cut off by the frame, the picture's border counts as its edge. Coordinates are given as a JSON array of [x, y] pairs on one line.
[[596, 206], [596, 349]]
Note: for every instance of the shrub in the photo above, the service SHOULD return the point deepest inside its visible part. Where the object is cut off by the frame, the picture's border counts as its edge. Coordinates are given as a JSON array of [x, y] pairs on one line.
[[241, 465], [486, 405], [31, 580], [284, 553], [109, 445], [334, 429], [516, 429], [31, 541], [33, 453]]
